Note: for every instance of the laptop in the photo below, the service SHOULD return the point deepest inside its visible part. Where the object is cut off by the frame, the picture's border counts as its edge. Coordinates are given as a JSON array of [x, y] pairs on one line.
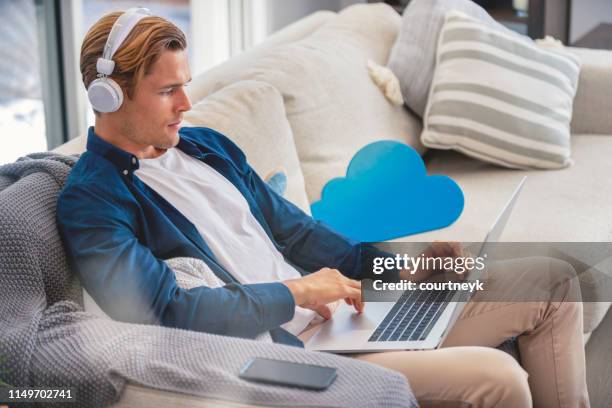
[[418, 320]]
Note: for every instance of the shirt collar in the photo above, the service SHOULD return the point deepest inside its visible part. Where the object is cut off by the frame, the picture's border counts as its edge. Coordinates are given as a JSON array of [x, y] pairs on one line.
[[124, 161], [127, 163], [190, 148]]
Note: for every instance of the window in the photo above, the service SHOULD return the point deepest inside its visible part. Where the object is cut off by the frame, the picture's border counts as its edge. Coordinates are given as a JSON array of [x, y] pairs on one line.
[[43, 102], [22, 114]]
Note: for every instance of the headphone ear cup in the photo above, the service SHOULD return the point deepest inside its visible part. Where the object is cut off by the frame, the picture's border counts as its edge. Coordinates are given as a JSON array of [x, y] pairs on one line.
[[105, 95]]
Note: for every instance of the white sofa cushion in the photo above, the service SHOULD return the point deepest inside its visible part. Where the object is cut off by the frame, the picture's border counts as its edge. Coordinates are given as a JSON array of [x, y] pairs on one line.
[[500, 99], [567, 205], [333, 106], [592, 104], [252, 115], [230, 70]]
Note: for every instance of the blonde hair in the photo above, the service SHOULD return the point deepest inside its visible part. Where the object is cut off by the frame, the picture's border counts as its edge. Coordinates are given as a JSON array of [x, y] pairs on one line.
[[136, 55]]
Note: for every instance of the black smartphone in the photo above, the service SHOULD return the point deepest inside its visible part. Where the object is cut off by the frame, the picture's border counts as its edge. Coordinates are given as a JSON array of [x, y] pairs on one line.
[[278, 372]]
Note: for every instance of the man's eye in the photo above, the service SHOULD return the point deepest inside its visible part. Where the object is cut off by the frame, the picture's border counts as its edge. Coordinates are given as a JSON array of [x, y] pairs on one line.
[[168, 92]]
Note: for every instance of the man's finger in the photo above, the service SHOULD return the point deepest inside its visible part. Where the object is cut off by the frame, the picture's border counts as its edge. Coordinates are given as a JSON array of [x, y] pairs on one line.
[[359, 306], [354, 284], [324, 311], [353, 293]]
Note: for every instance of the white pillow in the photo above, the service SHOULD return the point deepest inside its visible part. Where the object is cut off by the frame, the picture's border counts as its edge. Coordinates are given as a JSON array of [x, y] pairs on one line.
[[332, 105], [413, 55], [500, 99], [252, 115]]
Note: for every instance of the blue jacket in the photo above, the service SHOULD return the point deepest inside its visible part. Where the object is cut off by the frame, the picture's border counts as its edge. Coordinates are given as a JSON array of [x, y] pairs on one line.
[[117, 232]]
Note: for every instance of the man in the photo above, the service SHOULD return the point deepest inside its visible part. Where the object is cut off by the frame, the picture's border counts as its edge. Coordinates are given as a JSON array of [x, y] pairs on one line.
[[147, 190]]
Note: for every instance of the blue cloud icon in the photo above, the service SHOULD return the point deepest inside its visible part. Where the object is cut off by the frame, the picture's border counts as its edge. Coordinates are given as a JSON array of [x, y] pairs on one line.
[[387, 194]]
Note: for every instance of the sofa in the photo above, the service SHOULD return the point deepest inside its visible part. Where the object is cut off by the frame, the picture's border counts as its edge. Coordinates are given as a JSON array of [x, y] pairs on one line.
[[317, 66]]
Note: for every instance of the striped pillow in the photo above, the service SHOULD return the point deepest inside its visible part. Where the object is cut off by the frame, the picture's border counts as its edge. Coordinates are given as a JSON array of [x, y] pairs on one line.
[[500, 99]]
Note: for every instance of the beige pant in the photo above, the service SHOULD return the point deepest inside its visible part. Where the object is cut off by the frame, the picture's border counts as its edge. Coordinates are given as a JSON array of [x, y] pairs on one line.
[[469, 372]]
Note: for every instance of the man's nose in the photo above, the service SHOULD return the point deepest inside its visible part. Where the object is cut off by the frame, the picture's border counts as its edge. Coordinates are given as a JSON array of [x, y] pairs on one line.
[[183, 102]]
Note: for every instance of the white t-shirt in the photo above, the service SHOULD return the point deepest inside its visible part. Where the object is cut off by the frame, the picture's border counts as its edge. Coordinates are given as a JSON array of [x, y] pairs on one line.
[[223, 218]]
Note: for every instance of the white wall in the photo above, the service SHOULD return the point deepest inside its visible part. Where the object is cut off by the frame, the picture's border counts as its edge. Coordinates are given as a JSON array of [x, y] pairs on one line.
[[586, 14], [346, 3], [284, 12]]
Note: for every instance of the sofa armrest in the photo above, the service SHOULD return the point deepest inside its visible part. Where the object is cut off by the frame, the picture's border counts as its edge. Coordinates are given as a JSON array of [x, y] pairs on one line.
[[593, 102], [73, 146], [99, 358], [135, 396]]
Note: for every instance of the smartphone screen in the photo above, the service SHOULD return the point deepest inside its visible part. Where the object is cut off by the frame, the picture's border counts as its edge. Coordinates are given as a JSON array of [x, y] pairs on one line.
[[278, 372]]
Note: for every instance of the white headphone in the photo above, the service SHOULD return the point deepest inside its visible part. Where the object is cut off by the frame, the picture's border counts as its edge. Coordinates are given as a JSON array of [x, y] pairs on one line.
[[104, 93]]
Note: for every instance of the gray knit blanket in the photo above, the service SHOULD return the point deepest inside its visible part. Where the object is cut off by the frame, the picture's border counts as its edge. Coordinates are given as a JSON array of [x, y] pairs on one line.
[[46, 339]]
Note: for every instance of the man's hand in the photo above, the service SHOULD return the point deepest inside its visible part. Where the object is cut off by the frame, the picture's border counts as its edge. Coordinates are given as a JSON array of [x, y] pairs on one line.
[[316, 290], [437, 249]]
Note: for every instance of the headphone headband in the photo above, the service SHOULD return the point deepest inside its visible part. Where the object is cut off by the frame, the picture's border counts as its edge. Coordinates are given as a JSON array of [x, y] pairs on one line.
[[121, 29]]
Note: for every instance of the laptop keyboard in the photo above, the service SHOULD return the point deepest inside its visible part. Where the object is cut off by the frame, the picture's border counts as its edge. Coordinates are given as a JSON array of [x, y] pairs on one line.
[[413, 316]]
